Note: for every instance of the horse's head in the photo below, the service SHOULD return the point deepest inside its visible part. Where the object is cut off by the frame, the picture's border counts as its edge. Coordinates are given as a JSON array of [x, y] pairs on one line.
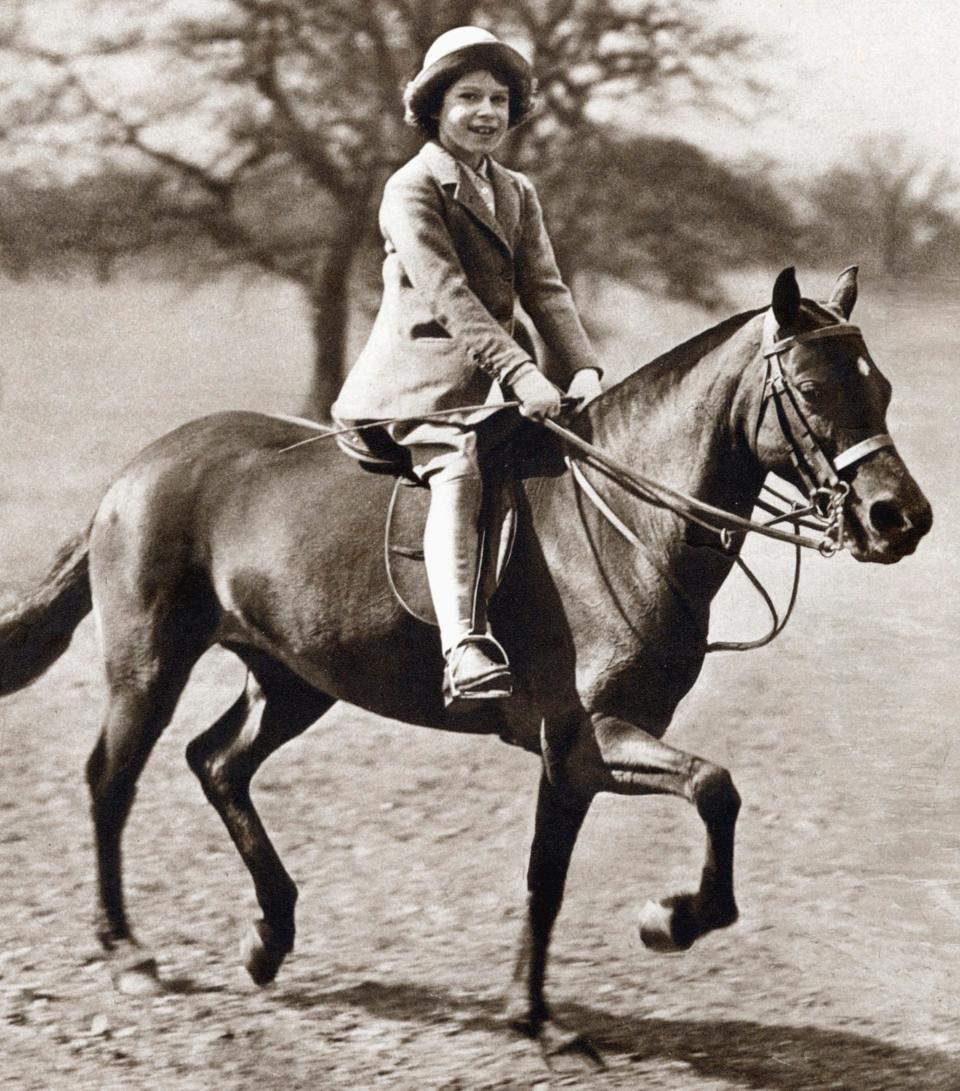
[[822, 422]]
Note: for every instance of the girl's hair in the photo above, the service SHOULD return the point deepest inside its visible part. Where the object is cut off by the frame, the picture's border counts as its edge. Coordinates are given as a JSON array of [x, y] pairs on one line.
[[423, 95]]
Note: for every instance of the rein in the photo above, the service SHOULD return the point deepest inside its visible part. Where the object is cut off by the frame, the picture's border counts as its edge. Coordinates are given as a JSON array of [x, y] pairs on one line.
[[826, 492], [721, 522], [634, 482], [777, 624], [438, 414]]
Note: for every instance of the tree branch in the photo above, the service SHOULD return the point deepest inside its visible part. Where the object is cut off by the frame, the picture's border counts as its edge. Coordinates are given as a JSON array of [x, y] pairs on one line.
[[263, 61]]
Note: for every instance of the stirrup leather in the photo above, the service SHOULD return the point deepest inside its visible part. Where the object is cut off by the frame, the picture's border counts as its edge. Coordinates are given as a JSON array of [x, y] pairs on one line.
[[494, 683]]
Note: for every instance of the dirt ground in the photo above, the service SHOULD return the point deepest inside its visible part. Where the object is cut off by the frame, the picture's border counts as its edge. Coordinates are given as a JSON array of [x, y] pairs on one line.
[[409, 845]]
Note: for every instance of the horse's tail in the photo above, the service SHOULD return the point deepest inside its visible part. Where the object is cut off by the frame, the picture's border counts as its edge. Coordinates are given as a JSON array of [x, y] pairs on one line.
[[36, 631]]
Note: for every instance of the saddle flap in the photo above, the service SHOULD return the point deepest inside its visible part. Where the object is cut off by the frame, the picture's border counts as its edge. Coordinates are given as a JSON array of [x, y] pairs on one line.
[[403, 542]]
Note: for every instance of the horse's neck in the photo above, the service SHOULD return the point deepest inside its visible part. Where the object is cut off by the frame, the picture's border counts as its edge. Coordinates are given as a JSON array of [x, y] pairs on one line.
[[685, 423]]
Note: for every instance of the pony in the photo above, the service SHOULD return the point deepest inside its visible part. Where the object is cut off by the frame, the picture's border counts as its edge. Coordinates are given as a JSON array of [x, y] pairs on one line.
[[231, 531]]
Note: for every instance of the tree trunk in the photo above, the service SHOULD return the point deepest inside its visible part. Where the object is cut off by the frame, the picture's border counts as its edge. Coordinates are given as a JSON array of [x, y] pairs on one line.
[[103, 265], [329, 306], [330, 311]]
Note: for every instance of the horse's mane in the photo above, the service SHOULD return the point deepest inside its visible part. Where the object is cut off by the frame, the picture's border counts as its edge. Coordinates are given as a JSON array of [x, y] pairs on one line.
[[692, 350]]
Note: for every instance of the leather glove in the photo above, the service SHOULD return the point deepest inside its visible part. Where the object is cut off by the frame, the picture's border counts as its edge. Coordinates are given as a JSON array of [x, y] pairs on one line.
[[585, 386], [538, 397]]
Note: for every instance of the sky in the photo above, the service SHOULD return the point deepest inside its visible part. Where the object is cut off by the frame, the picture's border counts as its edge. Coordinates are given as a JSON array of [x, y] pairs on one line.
[[839, 70]]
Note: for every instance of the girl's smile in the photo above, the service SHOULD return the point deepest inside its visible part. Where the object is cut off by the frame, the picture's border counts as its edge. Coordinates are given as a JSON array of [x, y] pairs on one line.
[[474, 116]]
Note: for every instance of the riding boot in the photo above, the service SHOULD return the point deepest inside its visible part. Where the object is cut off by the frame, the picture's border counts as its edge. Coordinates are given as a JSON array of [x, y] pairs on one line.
[[477, 665]]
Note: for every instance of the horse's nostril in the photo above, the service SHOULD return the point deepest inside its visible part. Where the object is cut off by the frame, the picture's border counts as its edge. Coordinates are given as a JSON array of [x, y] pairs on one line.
[[886, 517]]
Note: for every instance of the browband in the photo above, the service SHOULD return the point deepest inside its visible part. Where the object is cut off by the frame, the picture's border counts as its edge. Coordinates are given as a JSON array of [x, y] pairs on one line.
[[840, 329]]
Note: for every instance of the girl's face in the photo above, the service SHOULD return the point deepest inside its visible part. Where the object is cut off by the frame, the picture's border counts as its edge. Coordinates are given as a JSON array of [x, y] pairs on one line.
[[474, 116]]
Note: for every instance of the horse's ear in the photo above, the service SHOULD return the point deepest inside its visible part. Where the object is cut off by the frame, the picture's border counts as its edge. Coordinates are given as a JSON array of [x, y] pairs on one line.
[[786, 298], [845, 290]]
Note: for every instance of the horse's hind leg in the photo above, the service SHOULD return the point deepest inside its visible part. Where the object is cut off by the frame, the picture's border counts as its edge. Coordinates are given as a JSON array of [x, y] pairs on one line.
[[225, 758], [617, 756], [140, 705]]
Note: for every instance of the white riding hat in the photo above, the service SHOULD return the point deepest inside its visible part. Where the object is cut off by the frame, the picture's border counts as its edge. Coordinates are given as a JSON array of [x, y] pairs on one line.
[[450, 50], [460, 38]]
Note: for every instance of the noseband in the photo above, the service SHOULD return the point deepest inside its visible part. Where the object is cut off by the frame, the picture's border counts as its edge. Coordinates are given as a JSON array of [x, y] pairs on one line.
[[820, 474]]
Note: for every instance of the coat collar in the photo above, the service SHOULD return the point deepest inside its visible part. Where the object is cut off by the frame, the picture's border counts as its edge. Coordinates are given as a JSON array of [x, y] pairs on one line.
[[449, 172]]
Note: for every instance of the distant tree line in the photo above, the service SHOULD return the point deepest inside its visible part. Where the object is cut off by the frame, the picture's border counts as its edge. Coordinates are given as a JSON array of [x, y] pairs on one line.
[[887, 206], [269, 126]]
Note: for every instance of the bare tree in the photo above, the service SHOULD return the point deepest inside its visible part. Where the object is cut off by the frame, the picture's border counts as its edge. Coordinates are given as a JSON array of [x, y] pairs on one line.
[[267, 127], [888, 204]]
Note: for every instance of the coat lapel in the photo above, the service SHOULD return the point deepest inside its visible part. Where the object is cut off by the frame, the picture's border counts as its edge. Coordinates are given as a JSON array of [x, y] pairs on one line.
[[508, 201], [448, 172]]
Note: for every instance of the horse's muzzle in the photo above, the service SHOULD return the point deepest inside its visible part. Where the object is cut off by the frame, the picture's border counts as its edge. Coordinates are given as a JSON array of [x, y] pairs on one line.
[[888, 527]]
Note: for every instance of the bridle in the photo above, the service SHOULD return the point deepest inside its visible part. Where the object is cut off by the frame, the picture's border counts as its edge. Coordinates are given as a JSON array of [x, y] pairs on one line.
[[826, 491], [820, 474]]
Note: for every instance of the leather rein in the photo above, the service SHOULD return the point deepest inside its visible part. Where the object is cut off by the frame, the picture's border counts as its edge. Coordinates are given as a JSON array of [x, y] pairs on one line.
[[826, 497], [820, 474]]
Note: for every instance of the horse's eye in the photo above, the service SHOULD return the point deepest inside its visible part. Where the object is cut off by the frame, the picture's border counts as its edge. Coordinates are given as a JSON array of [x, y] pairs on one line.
[[809, 389]]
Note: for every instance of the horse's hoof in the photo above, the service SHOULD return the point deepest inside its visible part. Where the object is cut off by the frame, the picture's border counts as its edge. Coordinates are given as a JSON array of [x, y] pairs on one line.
[[522, 1023], [260, 959], [676, 923], [657, 928], [566, 1051], [140, 979]]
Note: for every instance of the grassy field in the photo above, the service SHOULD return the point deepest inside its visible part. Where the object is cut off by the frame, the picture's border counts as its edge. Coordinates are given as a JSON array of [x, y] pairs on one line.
[[842, 739]]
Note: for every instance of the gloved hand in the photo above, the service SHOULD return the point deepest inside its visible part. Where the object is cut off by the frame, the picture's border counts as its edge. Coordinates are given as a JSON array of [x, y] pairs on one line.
[[585, 386], [538, 397]]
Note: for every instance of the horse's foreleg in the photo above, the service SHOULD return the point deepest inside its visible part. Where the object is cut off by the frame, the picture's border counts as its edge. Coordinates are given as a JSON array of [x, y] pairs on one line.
[[617, 756], [560, 815], [225, 758]]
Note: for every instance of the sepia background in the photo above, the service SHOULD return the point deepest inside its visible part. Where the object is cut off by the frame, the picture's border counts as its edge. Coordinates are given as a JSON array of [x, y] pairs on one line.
[[188, 197]]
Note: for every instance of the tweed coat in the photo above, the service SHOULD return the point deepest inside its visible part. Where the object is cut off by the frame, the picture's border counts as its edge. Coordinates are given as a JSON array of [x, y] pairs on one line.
[[452, 274]]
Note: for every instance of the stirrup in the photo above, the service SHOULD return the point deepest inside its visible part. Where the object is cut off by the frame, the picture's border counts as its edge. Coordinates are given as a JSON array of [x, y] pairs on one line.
[[497, 682]]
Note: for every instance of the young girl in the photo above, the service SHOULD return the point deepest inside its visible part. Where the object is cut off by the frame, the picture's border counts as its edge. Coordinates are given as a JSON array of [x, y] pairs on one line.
[[464, 239]]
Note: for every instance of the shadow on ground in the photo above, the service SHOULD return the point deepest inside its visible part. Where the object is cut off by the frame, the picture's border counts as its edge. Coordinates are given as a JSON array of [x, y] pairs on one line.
[[755, 1055]]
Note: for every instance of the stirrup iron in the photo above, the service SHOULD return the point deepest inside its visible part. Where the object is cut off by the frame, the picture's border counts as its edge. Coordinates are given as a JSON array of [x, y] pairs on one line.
[[494, 684]]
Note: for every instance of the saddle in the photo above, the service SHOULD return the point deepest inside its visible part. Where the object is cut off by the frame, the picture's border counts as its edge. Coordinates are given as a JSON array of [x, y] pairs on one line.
[[530, 452]]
